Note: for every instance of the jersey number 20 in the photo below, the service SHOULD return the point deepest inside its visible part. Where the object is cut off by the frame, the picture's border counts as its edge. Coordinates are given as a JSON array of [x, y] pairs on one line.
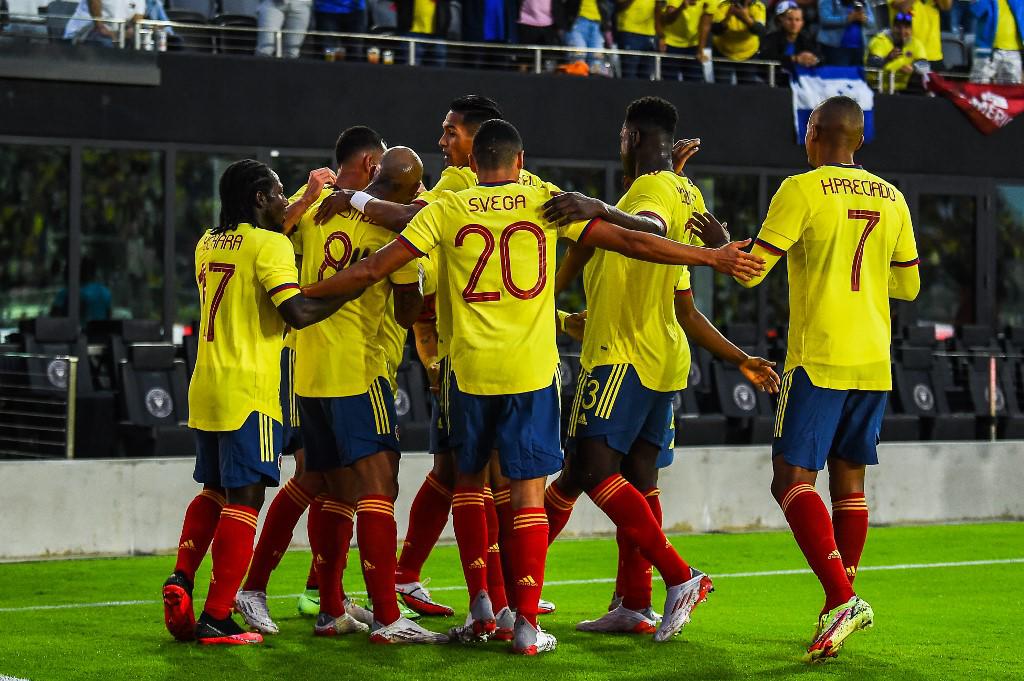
[[471, 295]]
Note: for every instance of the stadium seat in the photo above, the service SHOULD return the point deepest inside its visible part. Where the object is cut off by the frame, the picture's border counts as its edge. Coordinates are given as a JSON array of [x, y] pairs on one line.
[[412, 403], [193, 12], [694, 428], [920, 390], [235, 42], [154, 402], [239, 8], [975, 372], [750, 411], [115, 335], [954, 53], [58, 13], [206, 9]]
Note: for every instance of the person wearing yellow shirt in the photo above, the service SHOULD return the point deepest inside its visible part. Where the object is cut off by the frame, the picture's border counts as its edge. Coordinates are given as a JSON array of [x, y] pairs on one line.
[[737, 29], [927, 16], [637, 27], [849, 245], [687, 26], [585, 22], [999, 38], [898, 51], [425, 19]]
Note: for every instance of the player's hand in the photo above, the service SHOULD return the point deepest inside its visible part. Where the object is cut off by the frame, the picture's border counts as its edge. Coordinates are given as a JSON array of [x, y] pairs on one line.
[[318, 179], [576, 324], [709, 229], [759, 371], [806, 59], [434, 377], [682, 150], [340, 200], [731, 259], [561, 209]]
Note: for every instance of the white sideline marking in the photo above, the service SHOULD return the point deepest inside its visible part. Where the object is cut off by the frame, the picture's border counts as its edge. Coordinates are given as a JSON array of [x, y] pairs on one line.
[[573, 582]]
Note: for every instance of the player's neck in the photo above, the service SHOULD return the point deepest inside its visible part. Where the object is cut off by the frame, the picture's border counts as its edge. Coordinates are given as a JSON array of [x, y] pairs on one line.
[[350, 180], [652, 162], [497, 176], [836, 157]]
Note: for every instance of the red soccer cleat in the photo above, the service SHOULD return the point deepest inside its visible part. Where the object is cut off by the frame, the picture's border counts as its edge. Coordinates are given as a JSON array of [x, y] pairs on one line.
[[178, 615]]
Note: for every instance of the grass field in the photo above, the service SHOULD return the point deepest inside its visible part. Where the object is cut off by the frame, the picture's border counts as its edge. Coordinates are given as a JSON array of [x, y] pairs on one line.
[[58, 619]]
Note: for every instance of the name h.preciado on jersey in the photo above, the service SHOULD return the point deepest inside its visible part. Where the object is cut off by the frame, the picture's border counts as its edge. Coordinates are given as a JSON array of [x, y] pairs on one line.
[[846, 185]]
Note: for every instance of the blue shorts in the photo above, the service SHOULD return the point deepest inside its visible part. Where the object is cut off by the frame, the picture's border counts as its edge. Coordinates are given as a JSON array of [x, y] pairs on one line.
[[524, 428], [813, 424], [292, 438], [611, 403], [668, 453], [439, 438], [238, 458], [338, 431]]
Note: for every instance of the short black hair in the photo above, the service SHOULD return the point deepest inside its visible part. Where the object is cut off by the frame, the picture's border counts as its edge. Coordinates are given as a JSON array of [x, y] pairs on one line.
[[653, 114], [356, 139], [496, 144], [238, 188], [475, 109]]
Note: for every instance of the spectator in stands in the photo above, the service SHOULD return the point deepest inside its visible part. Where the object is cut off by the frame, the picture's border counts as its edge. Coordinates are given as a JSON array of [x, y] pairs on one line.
[[927, 24], [844, 31], [998, 41], [585, 22], [97, 21], [425, 19], [282, 15], [94, 299], [536, 24], [489, 21], [638, 27], [341, 16], [737, 29], [898, 51], [790, 44], [13, 15], [687, 27]]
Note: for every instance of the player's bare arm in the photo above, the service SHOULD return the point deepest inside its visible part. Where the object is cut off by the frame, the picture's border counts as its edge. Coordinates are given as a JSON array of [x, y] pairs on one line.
[[318, 179], [706, 222], [408, 303], [387, 214], [567, 207], [757, 370], [299, 311], [576, 257], [351, 281], [712, 232], [424, 334], [572, 324]]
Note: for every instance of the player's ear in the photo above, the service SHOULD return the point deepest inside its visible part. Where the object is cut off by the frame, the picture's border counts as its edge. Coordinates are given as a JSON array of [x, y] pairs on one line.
[[860, 143], [472, 162], [520, 160]]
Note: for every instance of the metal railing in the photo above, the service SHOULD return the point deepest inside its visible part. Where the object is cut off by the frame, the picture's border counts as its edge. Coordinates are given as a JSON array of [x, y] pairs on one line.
[[37, 405]]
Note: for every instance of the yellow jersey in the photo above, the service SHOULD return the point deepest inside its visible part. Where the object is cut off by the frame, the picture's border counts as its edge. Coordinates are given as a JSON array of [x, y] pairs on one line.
[[242, 275], [342, 355], [685, 30], [925, 26], [842, 229], [737, 42], [912, 51], [497, 254], [423, 16], [589, 10], [1007, 35], [637, 18], [631, 318], [392, 341]]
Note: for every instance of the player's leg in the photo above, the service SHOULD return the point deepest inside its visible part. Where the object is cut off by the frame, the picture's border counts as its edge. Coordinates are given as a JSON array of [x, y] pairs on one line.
[[561, 495], [849, 511], [495, 559]]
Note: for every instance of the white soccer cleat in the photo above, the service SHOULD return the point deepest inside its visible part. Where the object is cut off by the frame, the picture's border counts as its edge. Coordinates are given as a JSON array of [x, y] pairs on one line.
[[505, 624], [358, 612], [530, 640], [416, 597], [621, 620], [404, 630], [480, 622], [337, 626], [252, 606], [545, 607], [680, 601]]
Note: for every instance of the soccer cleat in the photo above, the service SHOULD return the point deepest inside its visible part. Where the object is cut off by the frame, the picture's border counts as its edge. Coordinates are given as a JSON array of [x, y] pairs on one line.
[[680, 601], [836, 626], [335, 626], [505, 624], [178, 615], [252, 606], [480, 622], [416, 597], [405, 611], [530, 640], [615, 602], [225, 632], [403, 630], [358, 612], [622, 620], [545, 607], [309, 603]]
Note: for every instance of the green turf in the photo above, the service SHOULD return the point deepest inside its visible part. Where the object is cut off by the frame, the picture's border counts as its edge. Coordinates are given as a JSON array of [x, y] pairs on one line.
[[939, 623]]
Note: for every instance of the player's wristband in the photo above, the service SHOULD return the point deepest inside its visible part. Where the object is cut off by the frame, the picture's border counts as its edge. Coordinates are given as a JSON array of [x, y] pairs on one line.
[[561, 319], [360, 199]]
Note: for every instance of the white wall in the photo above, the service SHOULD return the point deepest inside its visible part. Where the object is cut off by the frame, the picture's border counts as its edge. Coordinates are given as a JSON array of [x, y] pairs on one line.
[[124, 506]]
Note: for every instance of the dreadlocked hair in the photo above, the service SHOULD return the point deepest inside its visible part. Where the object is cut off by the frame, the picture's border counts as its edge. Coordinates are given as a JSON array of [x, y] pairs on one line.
[[238, 187]]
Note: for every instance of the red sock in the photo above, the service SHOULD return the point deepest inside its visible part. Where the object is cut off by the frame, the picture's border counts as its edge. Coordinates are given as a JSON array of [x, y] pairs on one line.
[[377, 535], [812, 528], [282, 516], [530, 543], [495, 574], [329, 540], [635, 571], [470, 518], [311, 581], [506, 516], [558, 505], [201, 518], [629, 511], [427, 518], [850, 529], [232, 551]]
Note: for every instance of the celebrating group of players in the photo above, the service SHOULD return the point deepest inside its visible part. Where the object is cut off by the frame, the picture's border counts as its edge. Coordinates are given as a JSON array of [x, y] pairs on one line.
[[472, 271]]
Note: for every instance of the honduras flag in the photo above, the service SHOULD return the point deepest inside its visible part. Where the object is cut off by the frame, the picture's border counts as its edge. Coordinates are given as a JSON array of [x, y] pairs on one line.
[[812, 86]]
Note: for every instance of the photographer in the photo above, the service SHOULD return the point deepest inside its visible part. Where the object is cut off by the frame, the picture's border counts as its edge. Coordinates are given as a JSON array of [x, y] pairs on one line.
[[845, 27], [927, 24], [898, 51], [790, 44], [737, 28]]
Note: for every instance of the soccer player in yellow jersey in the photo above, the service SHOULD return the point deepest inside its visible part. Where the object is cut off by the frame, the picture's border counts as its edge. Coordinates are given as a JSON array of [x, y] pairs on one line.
[[248, 287], [851, 248], [501, 379]]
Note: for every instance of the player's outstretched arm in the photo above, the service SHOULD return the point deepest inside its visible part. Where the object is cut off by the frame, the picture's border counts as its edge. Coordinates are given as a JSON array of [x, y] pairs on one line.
[[729, 259], [576, 258], [567, 207], [408, 303], [904, 280], [392, 216], [757, 370], [363, 274], [299, 311], [318, 179]]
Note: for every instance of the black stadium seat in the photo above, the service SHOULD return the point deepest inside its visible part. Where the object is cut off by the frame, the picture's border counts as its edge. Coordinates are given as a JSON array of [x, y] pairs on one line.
[[155, 402], [919, 389], [976, 372], [412, 403], [750, 412]]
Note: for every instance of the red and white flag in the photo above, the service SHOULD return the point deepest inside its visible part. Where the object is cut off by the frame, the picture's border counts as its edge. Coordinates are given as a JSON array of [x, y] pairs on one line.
[[989, 107]]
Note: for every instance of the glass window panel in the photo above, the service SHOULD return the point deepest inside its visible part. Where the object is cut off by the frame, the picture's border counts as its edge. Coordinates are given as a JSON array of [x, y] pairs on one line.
[[1010, 255], [586, 180], [33, 231], [946, 242], [294, 170]]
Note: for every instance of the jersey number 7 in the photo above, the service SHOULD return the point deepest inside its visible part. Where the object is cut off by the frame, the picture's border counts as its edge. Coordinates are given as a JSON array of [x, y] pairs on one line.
[[873, 217], [229, 271]]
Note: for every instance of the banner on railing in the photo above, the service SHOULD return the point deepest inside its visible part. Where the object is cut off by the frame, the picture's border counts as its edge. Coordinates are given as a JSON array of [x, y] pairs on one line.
[[812, 86], [988, 107]]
